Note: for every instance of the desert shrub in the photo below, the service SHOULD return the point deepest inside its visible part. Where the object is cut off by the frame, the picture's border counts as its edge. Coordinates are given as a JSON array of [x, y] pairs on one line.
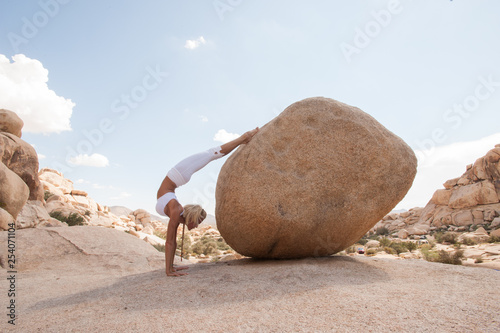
[[444, 257], [205, 245], [222, 245], [451, 258], [47, 195], [371, 252], [448, 237], [437, 236], [398, 247], [384, 242], [363, 241], [72, 219], [428, 254], [411, 246], [389, 250], [162, 235], [187, 243], [494, 239], [351, 249], [382, 231], [478, 261], [468, 241]]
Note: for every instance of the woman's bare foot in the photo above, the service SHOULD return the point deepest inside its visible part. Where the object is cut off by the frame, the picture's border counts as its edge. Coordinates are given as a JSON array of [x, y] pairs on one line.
[[176, 274], [249, 135]]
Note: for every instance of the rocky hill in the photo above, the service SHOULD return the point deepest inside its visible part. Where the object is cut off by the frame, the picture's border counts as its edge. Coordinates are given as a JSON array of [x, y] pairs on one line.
[[465, 204]]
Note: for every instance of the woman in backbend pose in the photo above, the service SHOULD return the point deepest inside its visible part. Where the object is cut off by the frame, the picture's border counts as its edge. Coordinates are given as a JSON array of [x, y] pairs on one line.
[[189, 215]]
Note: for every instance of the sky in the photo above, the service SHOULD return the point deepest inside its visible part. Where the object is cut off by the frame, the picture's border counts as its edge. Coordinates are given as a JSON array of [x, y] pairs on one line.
[[115, 93]]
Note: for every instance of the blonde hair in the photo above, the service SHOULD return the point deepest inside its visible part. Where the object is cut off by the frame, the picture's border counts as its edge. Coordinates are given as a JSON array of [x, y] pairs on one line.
[[193, 213]]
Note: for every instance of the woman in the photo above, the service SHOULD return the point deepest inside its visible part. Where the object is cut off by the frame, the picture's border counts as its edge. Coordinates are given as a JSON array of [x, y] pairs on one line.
[[190, 215]]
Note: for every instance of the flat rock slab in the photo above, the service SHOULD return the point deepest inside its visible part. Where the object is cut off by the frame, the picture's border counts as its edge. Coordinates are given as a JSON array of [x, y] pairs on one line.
[[338, 293], [97, 249]]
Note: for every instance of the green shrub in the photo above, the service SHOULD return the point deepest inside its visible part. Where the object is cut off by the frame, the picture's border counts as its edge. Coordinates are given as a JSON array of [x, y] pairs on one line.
[[371, 252], [437, 236], [411, 246], [47, 195], [222, 245], [351, 249], [447, 237], [160, 247], [444, 257], [187, 243], [428, 254], [494, 239], [451, 258], [205, 245], [398, 247], [468, 241], [389, 250], [384, 242], [382, 231], [72, 219], [161, 234], [363, 241]]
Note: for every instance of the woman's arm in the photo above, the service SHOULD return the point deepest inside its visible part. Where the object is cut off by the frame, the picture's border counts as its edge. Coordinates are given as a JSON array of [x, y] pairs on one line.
[[171, 243], [245, 138]]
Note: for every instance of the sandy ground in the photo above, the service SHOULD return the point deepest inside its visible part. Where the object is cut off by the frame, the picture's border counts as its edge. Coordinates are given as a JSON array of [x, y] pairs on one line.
[[329, 294]]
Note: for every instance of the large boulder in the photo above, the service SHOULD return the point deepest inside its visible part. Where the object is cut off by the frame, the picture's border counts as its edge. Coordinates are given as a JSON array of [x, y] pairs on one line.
[[312, 182], [13, 192], [20, 157], [10, 123], [6, 219]]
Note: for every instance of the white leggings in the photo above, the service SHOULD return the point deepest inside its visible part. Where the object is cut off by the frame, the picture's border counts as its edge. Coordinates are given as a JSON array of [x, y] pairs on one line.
[[181, 173]]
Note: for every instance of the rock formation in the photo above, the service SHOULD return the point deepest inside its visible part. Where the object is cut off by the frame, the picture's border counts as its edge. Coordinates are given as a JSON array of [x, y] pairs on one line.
[[18, 155], [312, 182], [470, 200], [10, 123], [14, 192]]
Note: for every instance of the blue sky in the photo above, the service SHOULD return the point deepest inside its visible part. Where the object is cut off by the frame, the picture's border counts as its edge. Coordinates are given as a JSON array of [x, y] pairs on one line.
[[114, 93]]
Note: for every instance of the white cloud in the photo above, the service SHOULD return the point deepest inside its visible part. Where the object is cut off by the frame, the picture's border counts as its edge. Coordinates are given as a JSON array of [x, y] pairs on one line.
[[81, 181], [194, 44], [122, 195], [94, 160], [204, 119], [223, 136], [437, 165], [102, 187], [24, 90], [41, 156]]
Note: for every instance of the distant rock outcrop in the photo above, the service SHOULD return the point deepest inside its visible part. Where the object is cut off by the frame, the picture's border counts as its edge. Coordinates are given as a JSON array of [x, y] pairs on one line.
[[311, 182], [465, 202], [472, 198]]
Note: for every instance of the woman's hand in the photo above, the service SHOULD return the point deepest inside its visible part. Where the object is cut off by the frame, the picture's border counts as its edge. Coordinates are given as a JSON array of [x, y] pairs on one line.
[[180, 268]]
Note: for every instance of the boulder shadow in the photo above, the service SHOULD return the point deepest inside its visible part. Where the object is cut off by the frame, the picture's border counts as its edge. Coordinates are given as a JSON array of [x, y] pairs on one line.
[[223, 283]]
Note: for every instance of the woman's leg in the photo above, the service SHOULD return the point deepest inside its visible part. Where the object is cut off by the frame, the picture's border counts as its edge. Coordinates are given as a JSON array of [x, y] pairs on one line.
[[182, 171]]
